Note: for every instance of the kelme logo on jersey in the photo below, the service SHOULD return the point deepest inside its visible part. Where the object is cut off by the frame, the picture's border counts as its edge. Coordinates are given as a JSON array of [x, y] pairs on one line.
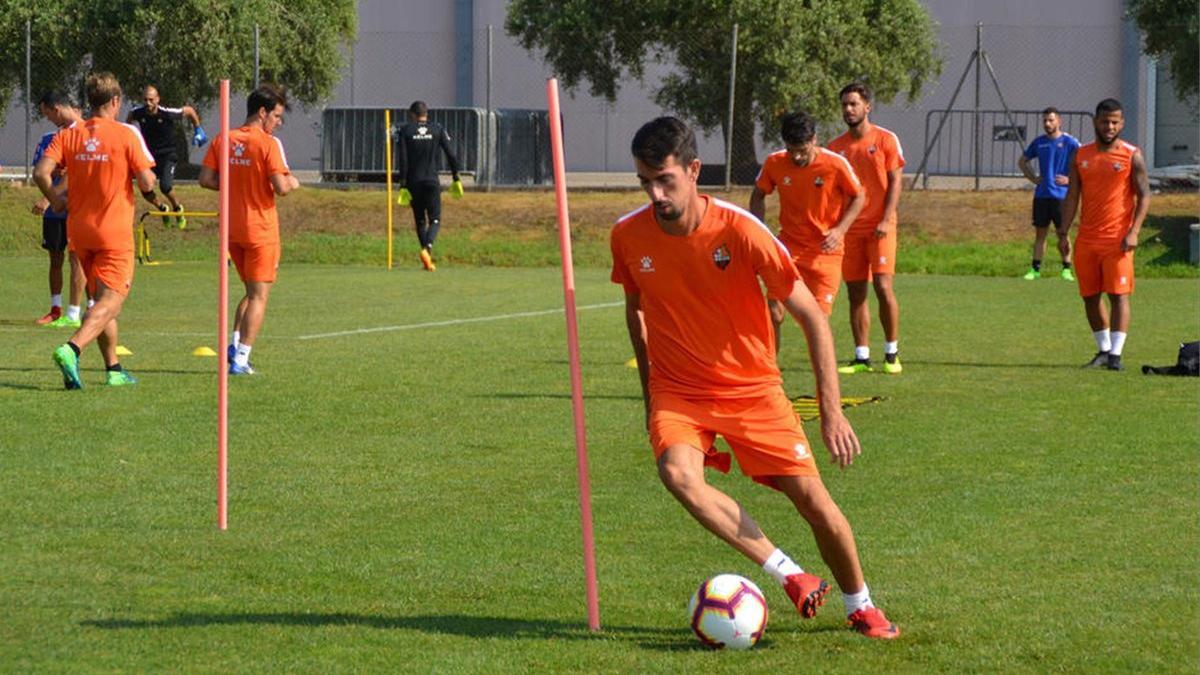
[[647, 264], [423, 133], [236, 152], [720, 257], [91, 144]]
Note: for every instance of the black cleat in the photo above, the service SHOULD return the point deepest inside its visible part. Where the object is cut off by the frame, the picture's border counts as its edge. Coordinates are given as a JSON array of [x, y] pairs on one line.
[[1100, 360], [1114, 362]]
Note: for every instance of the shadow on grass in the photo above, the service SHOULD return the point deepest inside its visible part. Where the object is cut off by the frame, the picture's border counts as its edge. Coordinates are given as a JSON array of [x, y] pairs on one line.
[[970, 364], [452, 624], [1174, 233]]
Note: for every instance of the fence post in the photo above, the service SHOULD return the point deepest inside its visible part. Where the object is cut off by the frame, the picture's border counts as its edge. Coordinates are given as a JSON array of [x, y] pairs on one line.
[[489, 142], [28, 94], [977, 142], [729, 122], [254, 84]]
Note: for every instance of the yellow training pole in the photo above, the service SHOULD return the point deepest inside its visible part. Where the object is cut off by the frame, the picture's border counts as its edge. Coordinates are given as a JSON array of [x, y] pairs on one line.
[[387, 130]]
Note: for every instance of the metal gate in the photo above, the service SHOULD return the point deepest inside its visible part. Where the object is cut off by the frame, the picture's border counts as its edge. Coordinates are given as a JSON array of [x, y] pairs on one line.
[[353, 141]]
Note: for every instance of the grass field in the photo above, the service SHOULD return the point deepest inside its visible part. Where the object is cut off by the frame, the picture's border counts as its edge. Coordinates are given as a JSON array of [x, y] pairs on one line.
[[405, 499]]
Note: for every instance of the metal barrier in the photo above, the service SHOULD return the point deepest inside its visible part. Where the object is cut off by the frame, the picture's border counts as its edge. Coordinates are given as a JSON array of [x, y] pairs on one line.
[[522, 148], [1004, 137], [352, 141]]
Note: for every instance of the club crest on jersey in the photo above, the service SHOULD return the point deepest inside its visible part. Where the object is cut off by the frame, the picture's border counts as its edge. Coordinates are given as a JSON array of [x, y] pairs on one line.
[[647, 264], [1084, 164], [819, 181], [871, 150], [1117, 166], [787, 180], [720, 257]]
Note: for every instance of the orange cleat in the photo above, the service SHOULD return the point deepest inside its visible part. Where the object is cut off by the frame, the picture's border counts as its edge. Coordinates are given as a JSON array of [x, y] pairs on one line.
[[427, 261], [807, 592], [872, 623], [52, 315]]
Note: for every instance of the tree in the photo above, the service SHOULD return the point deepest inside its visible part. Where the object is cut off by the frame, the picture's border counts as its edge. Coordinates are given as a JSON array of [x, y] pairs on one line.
[[183, 47], [1171, 30], [791, 53]]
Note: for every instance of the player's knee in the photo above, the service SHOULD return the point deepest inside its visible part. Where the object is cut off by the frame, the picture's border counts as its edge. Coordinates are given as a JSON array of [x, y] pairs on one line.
[[680, 480]]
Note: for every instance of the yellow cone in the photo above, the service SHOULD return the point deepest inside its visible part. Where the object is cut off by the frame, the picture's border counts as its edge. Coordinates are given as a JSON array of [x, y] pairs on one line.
[[632, 363], [122, 350], [203, 351]]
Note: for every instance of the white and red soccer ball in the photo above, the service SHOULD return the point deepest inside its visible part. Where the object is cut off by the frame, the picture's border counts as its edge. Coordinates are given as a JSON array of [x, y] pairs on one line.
[[728, 612]]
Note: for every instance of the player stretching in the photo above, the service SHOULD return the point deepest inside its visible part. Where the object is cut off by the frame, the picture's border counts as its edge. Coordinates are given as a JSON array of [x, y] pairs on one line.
[[157, 124], [58, 108], [691, 265], [878, 161], [258, 170], [418, 145], [101, 157], [1108, 177], [1053, 151], [819, 198]]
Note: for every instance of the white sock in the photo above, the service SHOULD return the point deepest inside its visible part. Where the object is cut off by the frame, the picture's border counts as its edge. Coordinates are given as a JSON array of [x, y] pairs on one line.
[[1118, 342], [780, 566], [891, 347], [90, 303], [862, 353], [73, 312], [56, 300], [235, 339], [857, 601], [242, 357], [1103, 340]]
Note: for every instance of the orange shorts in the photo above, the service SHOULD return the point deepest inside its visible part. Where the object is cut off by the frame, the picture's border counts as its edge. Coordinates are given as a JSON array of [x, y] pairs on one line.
[[1103, 268], [255, 262], [867, 255], [764, 433], [112, 268], [822, 274]]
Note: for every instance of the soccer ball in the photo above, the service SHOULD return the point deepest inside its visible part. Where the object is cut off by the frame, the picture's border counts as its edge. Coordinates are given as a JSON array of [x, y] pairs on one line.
[[728, 611]]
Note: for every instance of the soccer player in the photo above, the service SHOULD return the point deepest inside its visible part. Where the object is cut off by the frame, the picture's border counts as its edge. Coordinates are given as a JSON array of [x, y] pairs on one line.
[[819, 198], [416, 166], [878, 161], [157, 124], [1108, 178], [258, 171], [58, 108], [102, 158], [691, 267], [1053, 151]]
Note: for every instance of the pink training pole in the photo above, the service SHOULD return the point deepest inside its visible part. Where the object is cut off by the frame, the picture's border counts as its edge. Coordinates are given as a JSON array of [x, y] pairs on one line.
[[223, 317], [568, 269]]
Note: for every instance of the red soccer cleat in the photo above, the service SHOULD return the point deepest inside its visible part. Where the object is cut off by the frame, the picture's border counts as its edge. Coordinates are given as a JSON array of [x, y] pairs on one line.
[[52, 315], [872, 623], [807, 592]]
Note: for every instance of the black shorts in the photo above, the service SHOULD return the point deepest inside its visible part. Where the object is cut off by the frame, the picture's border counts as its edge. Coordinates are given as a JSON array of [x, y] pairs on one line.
[[54, 234], [164, 170], [1047, 210]]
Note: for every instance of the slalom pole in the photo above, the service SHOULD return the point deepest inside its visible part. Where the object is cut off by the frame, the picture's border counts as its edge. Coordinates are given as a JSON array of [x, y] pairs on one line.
[[568, 270], [387, 134], [223, 317]]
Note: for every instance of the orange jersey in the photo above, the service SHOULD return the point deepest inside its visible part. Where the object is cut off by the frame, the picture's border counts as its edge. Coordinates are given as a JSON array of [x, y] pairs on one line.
[[254, 156], [1106, 191], [872, 157], [708, 332], [102, 157], [811, 198]]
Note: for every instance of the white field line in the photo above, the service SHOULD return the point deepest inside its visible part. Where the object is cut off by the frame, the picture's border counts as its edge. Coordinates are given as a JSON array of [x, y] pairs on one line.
[[451, 322]]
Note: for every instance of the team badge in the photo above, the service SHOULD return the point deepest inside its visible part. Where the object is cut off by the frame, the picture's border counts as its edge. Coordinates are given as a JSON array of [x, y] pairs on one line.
[[819, 181], [871, 150], [787, 180], [720, 257], [91, 144], [647, 264], [1084, 164], [801, 451], [422, 130], [1117, 166]]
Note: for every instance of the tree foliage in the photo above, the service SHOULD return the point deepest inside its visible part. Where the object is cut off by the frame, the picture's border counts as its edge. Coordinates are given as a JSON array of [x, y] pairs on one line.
[[791, 53], [183, 47], [1171, 29]]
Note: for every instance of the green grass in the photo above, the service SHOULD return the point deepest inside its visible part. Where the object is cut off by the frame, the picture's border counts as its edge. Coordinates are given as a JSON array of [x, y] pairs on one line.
[[405, 500]]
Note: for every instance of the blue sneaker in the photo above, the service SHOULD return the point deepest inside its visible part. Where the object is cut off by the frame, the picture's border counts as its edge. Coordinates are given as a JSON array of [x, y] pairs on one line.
[[68, 363], [230, 353], [119, 378], [235, 369]]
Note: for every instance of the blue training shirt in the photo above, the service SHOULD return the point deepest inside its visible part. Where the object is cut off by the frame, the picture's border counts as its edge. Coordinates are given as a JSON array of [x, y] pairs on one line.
[[37, 155], [1052, 156]]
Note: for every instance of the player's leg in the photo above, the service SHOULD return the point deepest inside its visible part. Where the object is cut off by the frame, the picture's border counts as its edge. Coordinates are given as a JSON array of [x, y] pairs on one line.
[[1041, 227], [1118, 284], [258, 274], [435, 217], [860, 328], [1097, 316], [835, 541], [421, 200], [114, 374], [54, 240], [78, 291], [1121, 315], [889, 318], [1064, 243]]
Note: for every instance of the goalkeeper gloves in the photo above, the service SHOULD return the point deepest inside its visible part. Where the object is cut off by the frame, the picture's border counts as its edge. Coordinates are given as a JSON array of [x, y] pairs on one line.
[[199, 138], [456, 189], [405, 197]]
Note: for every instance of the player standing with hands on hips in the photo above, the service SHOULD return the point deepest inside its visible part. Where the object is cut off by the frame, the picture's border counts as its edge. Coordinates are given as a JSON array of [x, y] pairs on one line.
[[691, 267], [416, 165], [258, 171], [1053, 151]]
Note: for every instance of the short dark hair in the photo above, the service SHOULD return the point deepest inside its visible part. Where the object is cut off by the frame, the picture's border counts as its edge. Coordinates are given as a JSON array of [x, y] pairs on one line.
[[418, 108], [1108, 105], [54, 98], [797, 128], [1050, 110], [856, 87], [267, 96], [661, 138], [101, 87]]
